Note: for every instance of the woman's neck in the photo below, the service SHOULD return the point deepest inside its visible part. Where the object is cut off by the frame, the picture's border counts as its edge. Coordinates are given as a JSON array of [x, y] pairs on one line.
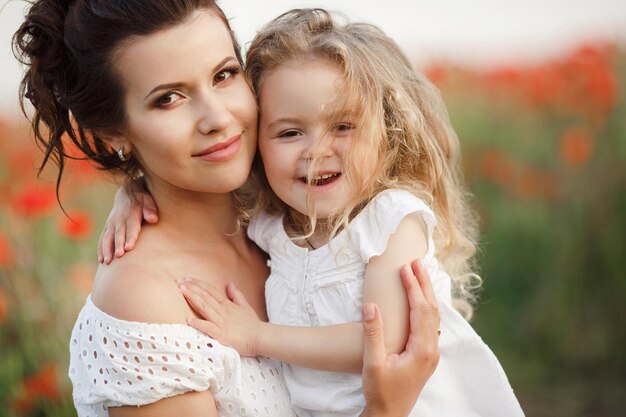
[[199, 217]]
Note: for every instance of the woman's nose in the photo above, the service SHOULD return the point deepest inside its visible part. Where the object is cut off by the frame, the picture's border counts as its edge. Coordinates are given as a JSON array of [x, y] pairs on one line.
[[215, 115]]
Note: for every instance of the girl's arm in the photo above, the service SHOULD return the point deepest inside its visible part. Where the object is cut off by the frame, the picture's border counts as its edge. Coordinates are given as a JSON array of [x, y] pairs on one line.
[[132, 204], [232, 321], [381, 285], [392, 383]]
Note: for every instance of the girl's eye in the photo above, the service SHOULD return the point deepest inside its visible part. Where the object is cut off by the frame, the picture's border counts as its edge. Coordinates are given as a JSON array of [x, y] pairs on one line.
[[288, 134], [343, 127], [225, 74], [168, 99]]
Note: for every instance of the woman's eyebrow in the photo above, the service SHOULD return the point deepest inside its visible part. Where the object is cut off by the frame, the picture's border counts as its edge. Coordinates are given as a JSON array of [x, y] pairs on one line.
[[179, 84]]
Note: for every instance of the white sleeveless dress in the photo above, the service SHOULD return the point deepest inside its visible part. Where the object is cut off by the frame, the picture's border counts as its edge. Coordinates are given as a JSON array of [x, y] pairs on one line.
[[325, 286]]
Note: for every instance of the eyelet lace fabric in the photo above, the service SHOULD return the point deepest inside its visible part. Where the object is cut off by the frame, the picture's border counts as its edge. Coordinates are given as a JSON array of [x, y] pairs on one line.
[[115, 363]]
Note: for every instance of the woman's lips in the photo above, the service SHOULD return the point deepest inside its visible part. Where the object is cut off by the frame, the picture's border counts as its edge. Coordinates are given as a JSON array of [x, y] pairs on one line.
[[221, 151]]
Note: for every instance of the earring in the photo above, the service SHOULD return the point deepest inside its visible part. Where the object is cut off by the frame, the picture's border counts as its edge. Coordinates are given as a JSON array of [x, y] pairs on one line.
[[120, 154]]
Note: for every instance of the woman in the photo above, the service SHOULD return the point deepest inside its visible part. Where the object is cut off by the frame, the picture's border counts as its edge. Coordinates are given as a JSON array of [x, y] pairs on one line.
[[155, 86]]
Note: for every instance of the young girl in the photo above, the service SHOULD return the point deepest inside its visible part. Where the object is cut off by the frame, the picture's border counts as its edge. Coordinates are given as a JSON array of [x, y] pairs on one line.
[[360, 174]]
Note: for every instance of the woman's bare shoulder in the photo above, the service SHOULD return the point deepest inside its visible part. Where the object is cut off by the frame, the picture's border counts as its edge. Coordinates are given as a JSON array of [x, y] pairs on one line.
[[139, 287]]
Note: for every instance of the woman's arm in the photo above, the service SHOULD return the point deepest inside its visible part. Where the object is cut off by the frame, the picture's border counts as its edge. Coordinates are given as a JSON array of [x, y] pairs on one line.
[[191, 404]]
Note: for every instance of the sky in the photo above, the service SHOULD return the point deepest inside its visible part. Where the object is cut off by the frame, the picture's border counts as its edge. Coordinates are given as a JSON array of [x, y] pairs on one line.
[[472, 32]]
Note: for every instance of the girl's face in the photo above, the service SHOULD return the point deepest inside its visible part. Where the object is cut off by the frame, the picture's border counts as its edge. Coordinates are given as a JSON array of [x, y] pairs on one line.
[[191, 117], [302, 118]]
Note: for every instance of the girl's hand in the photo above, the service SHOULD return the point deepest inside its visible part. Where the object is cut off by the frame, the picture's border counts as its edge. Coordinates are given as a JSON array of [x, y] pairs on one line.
[[229, 318], [393, 383], [132, 204]]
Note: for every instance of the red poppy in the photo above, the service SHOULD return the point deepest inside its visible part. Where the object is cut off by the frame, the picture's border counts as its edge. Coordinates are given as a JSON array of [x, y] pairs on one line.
[[23, 163], [496, 166], [42, 384], [437, 74], [3, 306], [576, 146], [6, 252], [536, 183], [77, 225], [34, 200]]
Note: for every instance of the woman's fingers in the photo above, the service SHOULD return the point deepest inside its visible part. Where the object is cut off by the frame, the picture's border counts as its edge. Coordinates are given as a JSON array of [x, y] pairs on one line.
[[374, 352], [411, 285], [424, 315], [424, 281]]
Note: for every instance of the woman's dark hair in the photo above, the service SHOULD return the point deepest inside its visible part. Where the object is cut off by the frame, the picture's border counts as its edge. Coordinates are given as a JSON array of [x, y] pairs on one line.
[[68, 47]]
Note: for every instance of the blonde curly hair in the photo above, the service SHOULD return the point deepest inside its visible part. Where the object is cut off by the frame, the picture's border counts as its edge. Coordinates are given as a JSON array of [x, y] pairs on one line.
[[400, 114]]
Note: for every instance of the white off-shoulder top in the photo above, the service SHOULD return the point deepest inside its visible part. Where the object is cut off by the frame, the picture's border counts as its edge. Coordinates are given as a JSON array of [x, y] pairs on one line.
[[115, 362]]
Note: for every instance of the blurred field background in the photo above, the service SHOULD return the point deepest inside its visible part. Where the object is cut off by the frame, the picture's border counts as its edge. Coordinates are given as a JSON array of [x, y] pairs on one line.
[[544, 153]]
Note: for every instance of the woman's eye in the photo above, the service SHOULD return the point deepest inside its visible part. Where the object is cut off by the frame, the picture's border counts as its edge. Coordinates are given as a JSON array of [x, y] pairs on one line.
[[168, 99], [225, 74]]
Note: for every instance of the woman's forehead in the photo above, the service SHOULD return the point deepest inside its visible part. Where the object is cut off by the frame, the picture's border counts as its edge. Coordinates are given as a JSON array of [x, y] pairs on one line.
[[175, 54]]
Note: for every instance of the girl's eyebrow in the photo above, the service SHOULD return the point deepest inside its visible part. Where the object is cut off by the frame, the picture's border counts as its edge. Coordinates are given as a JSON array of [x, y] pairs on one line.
[[179, 84], [288, 120]]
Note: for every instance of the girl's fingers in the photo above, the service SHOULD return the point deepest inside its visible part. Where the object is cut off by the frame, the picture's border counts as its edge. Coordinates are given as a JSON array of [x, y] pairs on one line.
[[133, 226], [206, 327], [236, 296], [424, 281], [107, 245], [212, 291], [205, 306], [120, 239], [99, 249], [149, 209]]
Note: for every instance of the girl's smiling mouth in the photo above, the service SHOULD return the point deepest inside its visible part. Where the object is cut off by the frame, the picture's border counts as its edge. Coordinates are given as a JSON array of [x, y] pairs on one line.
[[321, 179]]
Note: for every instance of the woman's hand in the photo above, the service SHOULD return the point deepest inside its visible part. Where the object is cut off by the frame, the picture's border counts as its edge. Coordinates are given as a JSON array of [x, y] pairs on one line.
[[229, 318], [132, 204], [393, 383]]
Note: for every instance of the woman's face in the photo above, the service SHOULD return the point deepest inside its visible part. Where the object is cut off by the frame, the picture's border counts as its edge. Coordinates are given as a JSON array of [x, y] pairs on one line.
[[191, 116]]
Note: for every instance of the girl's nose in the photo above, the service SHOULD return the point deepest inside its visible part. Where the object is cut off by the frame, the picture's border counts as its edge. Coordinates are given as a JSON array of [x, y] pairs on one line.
[[318, 147], [215, 115]]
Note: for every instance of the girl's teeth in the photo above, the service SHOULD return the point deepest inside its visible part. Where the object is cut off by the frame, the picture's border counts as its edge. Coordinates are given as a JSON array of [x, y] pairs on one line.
[[323, 177]]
